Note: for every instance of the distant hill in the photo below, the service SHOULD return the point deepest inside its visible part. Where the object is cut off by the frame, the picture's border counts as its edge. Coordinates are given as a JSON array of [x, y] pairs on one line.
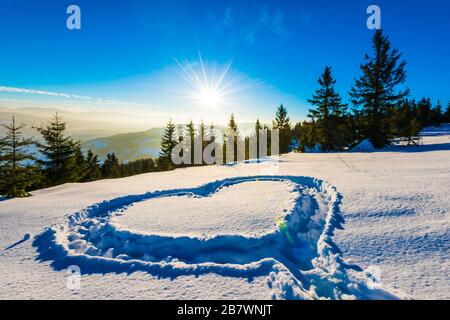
[[79, 128], [128, 146], [122, 121]]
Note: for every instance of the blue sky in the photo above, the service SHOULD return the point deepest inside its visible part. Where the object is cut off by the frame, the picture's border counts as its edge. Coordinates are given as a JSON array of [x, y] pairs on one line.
[[124, 57]]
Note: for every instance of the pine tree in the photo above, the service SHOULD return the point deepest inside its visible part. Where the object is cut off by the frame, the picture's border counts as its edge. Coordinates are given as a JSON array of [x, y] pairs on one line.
[[404, 122], [307, 135], [59, 151], [16, 175], [424, 112], [111, 167], [231, 138], [202, 135], [258, 128], [296, 133], [190, 136], [232, 126], [93, 171], [376, 90], [329, 114], [283, 125], [80, 167], [168, 143], [268, 134], [138, 166], [447, 114], [148, 165], [436, 115]]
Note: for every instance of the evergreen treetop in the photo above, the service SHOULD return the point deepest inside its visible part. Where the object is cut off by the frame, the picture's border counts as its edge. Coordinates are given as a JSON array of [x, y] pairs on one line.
[[283, 125], [58, 151], [168, 143], [17, 171], [376, 90], [329, 113]]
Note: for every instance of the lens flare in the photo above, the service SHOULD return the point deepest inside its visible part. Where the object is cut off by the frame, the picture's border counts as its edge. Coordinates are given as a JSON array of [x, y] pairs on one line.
[[209, 98], [209, 86]]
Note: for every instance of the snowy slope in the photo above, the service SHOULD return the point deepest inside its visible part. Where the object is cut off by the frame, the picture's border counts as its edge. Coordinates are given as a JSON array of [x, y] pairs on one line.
[[262, 230]]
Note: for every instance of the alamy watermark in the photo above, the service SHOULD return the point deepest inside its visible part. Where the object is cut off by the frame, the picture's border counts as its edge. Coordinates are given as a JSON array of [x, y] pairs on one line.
[[233, 149], [73, 21], [374, 20], [74, 278]]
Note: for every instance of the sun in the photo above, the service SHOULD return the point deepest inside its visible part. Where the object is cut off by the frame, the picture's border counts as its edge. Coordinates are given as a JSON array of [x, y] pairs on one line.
[[211, 87], [209, 98]]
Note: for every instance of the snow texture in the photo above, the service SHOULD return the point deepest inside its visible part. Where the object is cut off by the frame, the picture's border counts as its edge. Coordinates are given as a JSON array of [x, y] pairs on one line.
[[300, 258], [395, 203]]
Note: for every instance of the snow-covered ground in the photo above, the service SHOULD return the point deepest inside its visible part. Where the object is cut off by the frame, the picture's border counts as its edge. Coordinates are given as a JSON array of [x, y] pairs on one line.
[[258, 230], [191, 216]]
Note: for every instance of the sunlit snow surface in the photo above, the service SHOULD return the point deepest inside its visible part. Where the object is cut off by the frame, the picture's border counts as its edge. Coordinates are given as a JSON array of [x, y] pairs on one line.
[[395, 204], [191, 215]]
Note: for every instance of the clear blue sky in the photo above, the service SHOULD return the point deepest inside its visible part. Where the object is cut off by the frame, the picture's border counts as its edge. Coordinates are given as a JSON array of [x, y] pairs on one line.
[[126, 50]]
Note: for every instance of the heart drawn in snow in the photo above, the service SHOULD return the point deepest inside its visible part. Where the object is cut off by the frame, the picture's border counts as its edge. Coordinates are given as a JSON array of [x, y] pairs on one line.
[[274, 226]]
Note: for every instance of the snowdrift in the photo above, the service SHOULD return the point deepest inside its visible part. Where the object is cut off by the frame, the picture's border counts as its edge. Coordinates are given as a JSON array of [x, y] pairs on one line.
[[299, 258], [364, 146]]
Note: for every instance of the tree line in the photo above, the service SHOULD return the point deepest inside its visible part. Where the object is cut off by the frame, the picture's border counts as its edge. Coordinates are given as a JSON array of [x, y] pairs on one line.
[[380, 111], [27, 164]]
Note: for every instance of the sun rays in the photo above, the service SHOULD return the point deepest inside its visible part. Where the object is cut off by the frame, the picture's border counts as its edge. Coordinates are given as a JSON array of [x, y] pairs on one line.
[[210, 87]]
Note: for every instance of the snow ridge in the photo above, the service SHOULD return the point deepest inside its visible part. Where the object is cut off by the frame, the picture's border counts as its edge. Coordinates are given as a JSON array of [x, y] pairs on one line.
[[300, 259]]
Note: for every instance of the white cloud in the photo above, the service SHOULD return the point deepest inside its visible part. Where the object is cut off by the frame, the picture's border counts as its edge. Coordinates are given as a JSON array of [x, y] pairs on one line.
[[72, 96]]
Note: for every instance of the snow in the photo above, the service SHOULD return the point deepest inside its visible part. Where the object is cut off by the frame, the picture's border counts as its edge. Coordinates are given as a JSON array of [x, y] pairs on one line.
[[191, 215], [393, 243], [316, 149], [363, 146]]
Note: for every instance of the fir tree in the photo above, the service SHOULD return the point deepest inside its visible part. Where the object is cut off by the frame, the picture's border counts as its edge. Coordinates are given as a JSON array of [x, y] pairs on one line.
[[268, 134], [447, 114], [424, 112], [93, 171], [59, 151], [376, 90], [168, 143], [190, 135], [232, 126], [202, 135], [111, 167], [137, 167], [436, 115], [283, 125], [307, 135], [80, 167], [258, 128], [404, 122], [329, 114], [296, 132], [16, 175], [231, 138]]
